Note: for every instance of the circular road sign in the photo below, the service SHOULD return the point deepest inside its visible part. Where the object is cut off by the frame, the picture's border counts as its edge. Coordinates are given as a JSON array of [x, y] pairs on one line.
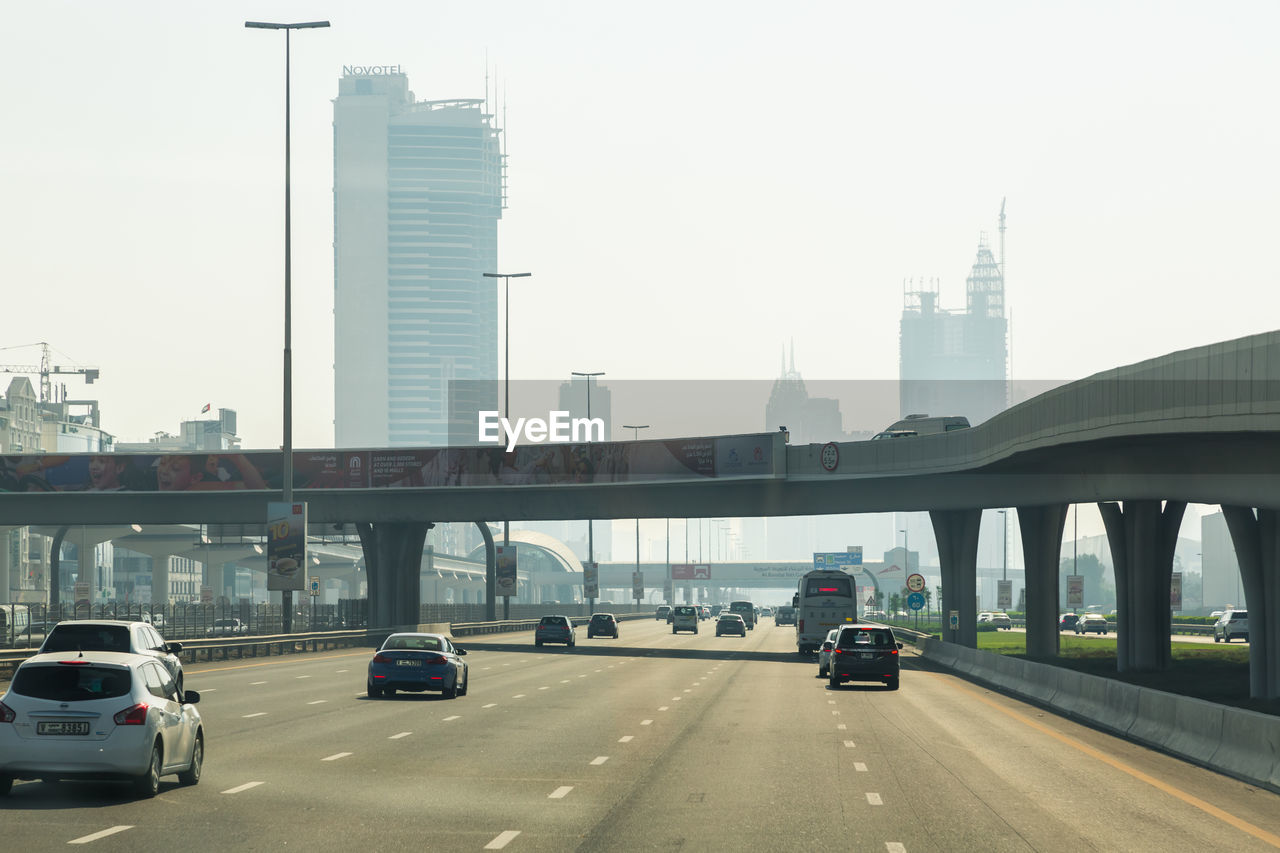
[[830, 456], [915, 582], [916, 601]]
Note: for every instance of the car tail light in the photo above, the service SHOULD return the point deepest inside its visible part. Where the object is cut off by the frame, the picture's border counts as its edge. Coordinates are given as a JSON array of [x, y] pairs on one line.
[[436, 660], [6, 714], [893, 651], [73, 662], [135, 715], [381, 658], [801, 626]]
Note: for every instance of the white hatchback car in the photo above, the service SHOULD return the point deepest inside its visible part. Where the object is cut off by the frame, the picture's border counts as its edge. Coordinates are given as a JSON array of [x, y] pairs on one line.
[[824, 653], [98, 716]]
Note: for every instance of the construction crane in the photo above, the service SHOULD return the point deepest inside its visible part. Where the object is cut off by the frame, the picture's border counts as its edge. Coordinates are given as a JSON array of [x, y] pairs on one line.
[[45, 369]]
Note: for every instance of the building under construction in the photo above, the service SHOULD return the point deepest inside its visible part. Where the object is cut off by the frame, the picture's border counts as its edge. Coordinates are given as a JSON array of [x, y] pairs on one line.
[[955, 362]]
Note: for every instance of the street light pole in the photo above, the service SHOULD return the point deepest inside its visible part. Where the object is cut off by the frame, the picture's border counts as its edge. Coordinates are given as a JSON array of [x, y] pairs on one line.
[[286, 596], [506, 381], [591, 545], [636, 437]]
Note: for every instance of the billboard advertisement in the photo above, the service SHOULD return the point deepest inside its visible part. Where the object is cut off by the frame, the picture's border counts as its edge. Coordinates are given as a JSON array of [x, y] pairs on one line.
[[286, 545]]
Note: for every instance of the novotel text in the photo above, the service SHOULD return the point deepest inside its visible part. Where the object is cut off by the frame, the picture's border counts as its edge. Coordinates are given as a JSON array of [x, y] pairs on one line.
[[369, 70], [559, 428]]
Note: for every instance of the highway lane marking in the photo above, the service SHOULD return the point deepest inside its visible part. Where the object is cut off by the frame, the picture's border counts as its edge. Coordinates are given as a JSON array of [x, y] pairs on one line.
[[835, 713], [663, 708], [831, 701], [895, 847], [859, 767], [85, 839], [208, 690], [518, 696], [676, 698], [318, 702], [238, 788], [452, 718], [626, 739], [544, 688], [340, 670], [646, 722], [874, 799], [559, 793], [599, 670], [599, 759], [688, 690], [842, 727], [399, 735], [849, 744], [490, 705], [336, 756], [1191, 800], [584, 675], [502, 840], [255, 714], [256, 683], [564, 681], [302, 676]]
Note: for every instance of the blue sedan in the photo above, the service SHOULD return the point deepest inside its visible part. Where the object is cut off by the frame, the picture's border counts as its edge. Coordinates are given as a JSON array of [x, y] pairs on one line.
[[417, 662]]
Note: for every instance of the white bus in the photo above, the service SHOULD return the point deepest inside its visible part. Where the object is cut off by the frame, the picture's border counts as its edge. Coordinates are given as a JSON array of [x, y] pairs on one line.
[[913, 425], [825, 599]]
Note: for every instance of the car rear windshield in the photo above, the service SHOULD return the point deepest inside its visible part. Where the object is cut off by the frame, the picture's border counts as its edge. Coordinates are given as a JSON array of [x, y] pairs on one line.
[[70, 637], [61, 682], [600, 617], [876, 638], [553, 620], [1239, 614]]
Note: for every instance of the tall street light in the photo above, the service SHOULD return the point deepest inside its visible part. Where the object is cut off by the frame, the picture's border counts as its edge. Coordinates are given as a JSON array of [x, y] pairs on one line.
[[591, 545], [1004, 571], [506, 379], [636, 437], [286, 596]]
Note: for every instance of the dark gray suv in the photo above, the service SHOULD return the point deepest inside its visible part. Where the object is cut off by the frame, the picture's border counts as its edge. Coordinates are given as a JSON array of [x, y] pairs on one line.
[[865, 653]]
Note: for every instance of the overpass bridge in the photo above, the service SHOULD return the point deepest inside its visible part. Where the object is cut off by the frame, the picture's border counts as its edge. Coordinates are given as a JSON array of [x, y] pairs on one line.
[[1142, 441]]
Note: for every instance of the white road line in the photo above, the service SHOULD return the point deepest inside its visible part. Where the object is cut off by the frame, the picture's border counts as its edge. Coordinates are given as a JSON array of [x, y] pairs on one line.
[[663, 708], [831, 701], [626, 739], [895, 847], [256, 683], [340, 670], [502, 840], [302, 676], [676, 698], [490, 705], [859, 767], [518, 696], [452, 718], [318, 702], [544, 688], [584, 675], [112, 831], [842, 727], [256, 714], [849, 744], [835, 713], [208, 689], [688, 690], [874, 799], [508, 664], [483, 668], [646, 722], [564, 681], [599, 670], [336, 756], [399, 735], [238, 788], [559, 793], [599, 759]]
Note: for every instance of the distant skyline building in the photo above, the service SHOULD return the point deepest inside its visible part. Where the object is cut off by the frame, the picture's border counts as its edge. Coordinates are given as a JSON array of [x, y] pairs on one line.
[[957, 362], [419, 187]]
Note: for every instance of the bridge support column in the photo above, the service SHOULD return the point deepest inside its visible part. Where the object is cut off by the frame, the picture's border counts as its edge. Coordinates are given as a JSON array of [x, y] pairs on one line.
[[1142, 538], [956, 532], [1042, 528], [6, 566], [490, 573], [1257, 542], [393, 565]]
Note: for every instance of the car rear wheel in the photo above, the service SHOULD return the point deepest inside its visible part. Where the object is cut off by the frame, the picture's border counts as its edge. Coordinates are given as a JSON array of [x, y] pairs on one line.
[[191, 775], [466, 683], [451, 692], [538, 643], [832, 681], [147, 784], [6, 782], [891, 683]]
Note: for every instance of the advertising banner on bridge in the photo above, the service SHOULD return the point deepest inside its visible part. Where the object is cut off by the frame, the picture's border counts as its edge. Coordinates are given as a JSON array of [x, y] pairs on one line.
[[590, 580], [286, 545], [526, 464], [690, 572], [1175, 591], [505, 563], [1075, 590]]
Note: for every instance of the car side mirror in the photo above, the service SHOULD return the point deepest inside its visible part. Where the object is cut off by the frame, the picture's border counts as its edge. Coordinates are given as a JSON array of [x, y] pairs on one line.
[[190, 697], [173, 648], [459, 651], [899, 645]]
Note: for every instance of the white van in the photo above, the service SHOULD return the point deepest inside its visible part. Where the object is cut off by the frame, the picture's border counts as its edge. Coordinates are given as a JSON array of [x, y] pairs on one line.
[[684, 618]]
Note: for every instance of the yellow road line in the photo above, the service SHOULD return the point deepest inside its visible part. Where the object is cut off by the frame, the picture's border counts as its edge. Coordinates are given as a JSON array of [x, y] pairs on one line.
[[1189, 799]]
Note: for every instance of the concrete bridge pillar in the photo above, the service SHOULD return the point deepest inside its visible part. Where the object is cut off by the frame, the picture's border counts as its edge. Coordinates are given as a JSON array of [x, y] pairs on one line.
[[393, 563], [6, 565], [1042, 528], [956, 532], [490, 573], [1142, 538], [1256, 536]]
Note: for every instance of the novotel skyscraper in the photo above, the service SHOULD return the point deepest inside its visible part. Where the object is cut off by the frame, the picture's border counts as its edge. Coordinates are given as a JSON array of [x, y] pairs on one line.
[[419, 187]]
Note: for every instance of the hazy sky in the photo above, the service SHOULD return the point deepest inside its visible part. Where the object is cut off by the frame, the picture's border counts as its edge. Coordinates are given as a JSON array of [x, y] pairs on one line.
[[691, 184]]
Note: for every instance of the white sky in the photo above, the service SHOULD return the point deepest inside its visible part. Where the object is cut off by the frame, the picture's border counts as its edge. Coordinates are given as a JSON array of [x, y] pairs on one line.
[[692, 184]]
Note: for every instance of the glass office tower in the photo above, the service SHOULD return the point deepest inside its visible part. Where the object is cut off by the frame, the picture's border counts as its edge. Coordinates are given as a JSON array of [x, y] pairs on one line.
[[419, 187]]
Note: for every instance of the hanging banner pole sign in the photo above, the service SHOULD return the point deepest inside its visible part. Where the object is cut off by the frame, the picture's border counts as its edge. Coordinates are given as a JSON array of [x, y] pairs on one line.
[[1175, 591], [286, 545], [505, 566], [637, 585], [591, 580], [1075, 590], [1004, 594]]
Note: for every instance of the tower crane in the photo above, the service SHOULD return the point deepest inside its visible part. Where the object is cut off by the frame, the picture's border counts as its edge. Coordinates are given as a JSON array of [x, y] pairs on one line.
[[46, 368]]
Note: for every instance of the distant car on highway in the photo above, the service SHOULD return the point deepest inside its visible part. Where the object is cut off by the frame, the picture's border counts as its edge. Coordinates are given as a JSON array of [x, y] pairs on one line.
[[663, 612], [1000, 620], [824, 653], [99, 715], [730, 623], [784, 615], [602, 625], [1067, 622], [555, 629], [1094, 623], [1231, 624], [684, 618], [109, 635], [227, 627], [417, 662]]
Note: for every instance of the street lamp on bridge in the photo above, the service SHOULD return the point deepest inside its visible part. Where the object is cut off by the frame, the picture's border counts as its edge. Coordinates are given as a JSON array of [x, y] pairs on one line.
[[591, 545]]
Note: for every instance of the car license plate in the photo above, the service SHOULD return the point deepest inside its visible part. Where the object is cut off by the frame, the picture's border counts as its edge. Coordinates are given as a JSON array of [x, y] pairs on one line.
[[867, 655], [404, 662], [62, 728]]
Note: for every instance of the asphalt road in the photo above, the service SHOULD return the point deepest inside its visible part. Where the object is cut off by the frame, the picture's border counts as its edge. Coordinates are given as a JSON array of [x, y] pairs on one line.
[[652, 741]]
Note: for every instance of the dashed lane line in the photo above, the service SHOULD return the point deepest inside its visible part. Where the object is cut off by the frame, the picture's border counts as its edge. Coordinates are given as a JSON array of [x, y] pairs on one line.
[[646, 722], [626, 739], [502, 840], [255, 714], [85, 839], [256, 683], [560, 793], [246, 786], [849, 744], [490, 705], [599, 759], [318, 702], [399, 735], [663, 708], [336, 756], [895, 847], [874, 799], [859, 767], [453, 717]]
